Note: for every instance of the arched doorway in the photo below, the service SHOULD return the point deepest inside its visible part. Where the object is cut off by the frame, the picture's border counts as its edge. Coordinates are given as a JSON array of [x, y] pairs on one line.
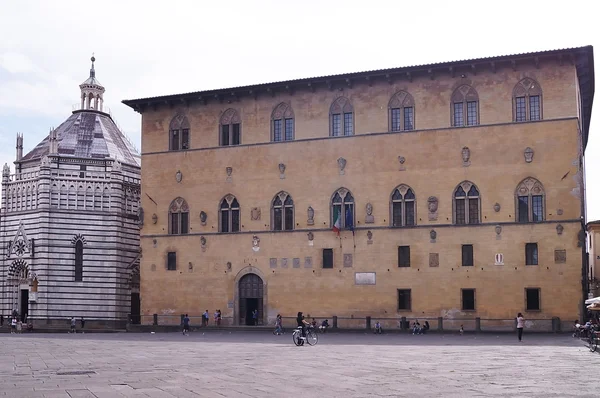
[[251, 299]]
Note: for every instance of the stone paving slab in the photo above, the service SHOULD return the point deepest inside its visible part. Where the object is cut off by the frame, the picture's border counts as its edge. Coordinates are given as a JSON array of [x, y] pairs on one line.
[[251, 364]]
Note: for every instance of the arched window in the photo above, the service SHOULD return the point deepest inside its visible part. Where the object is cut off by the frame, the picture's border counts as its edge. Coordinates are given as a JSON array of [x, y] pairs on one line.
[[530, 201], [179, 133], [179, 220], [341, 117], [78, 260], [402, 206], [401, 112], [282, 123], [466, 204], [342, 209], [465, 106], [229, 211], [527, 101], [230, 128], [282, 212]]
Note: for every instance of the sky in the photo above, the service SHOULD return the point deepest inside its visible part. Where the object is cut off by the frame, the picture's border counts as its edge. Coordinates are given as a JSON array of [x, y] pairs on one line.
[[145, 49]]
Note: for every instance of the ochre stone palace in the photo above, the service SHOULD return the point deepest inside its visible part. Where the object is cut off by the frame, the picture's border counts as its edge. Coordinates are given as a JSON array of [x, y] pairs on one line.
[[458, 188]]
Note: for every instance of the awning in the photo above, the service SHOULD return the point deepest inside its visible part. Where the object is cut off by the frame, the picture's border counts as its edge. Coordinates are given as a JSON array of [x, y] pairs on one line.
[[594, 307], [593, 300]]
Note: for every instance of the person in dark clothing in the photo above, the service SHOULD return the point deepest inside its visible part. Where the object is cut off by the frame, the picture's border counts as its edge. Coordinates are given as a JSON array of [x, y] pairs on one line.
[[302, 323], [186, 325], [82, 324], [425, 327]]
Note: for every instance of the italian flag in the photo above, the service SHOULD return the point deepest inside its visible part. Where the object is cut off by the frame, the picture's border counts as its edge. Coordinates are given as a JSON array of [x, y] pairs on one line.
[[337, 225]]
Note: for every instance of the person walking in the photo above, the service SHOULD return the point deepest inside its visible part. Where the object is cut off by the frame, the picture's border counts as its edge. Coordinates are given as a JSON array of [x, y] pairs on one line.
[[255, 317], [82, 324], [186, 325], [206, 318], [520, 325], [13, 325], [73, 323]]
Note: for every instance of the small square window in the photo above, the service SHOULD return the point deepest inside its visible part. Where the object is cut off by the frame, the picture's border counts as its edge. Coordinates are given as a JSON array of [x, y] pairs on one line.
[[327, 258], [468, 299], [531, 254], [172, 261], [403, 256], [467, 255], [532, 299], [404, 301]]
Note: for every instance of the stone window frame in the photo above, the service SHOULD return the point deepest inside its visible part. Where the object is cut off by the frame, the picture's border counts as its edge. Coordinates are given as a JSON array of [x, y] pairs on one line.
[[404, 256], [539, 291], [529, 187], [230, 117], [466, 256], [328, 251], [401, 100], [283, 112], [465, 93], [231, 202], [527, 88], [283, 196], [343, 193], [403, 190], [341, 106], [462, 303], [168, 265], [466, 186], [181, 126], [531, 258], [178, 208]]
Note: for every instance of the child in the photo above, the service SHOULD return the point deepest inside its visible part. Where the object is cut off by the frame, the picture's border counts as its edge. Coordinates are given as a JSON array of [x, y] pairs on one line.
[[461, 330]]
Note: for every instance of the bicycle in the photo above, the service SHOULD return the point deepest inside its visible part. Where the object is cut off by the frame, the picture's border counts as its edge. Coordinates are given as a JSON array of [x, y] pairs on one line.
[[311, 336], [593, 340]]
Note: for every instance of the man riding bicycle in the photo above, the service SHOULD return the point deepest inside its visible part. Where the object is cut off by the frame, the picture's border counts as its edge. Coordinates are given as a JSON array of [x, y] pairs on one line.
[[302, 323]]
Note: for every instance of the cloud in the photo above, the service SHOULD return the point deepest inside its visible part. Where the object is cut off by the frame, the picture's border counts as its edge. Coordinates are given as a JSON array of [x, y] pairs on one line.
[[16, 63]]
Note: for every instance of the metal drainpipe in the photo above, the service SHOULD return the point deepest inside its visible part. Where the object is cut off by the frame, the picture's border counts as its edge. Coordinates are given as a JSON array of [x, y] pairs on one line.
[[584, 272]]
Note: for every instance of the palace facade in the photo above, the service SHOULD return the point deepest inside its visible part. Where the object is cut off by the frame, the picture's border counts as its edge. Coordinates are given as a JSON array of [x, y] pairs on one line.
[[69, 222], [457, 189]]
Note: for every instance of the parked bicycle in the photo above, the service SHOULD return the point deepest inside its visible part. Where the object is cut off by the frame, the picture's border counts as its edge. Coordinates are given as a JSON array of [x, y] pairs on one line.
[[311, 336], [594, 339]]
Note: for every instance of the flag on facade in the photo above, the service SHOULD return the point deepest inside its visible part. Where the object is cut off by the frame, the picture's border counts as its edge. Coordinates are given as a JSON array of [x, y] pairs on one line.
[[349, 220], [337, 224]]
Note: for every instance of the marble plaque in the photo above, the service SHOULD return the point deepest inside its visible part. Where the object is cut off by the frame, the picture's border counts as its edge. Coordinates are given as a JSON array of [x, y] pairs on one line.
[[364, 278], [296, 263]]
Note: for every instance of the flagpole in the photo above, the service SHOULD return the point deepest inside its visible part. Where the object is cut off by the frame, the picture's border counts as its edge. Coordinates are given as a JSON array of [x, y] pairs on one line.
[[354, 238], [340, 236]]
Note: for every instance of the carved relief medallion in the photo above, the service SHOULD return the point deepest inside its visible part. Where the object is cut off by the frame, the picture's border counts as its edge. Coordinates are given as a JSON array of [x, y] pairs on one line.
[[369, 218], [255, 214], [466, 156], [255, 243], [432, 207], [402, 160], [528, 154], [341, 165], [178, 176], [281, 171], [434, 259], [311, 216]]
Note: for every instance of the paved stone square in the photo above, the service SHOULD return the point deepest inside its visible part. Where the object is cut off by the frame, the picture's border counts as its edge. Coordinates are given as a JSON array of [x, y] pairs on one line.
[[258, 364]]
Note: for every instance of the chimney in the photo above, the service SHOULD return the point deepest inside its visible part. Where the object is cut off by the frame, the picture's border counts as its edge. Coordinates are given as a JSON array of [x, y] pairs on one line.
[[19, 146]]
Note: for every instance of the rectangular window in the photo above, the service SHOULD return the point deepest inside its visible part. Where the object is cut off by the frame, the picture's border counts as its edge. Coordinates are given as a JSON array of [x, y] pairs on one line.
[[520, 113], [468, 299], [289, 129], [409, 218], [408, 119], [537, 208], [395, 119], [235, 221], [277, 130], [171, 261], [473, 211], [235, 140], [327, 258], [532, 299], [531, 254], [467, 255], [534, 107], [471, 113], [460, 211], [225, 221], [289, 218], [174, 223], [184, 223], [458, 114], [174, 140], [348, 125], [185, 139], [225, 135], [403, 256], [404, 302], [336, 125], [523, 209], [397, 214], [82, 169], [277, 219]]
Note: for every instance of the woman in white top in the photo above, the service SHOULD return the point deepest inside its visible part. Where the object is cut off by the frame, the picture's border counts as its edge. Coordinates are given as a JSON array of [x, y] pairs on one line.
[[520, 324]]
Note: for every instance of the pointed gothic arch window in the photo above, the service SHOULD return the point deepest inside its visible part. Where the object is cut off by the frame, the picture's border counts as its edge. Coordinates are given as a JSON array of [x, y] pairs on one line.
[[530, 197], [179, 133], [282, 123], [466, 204], [401, 112], [179, 217], [342, 204], [464, 106], [230, 128], [527, 101], [79, 260], [402, 206], [282, 212], [229, 214], [341, 118]]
